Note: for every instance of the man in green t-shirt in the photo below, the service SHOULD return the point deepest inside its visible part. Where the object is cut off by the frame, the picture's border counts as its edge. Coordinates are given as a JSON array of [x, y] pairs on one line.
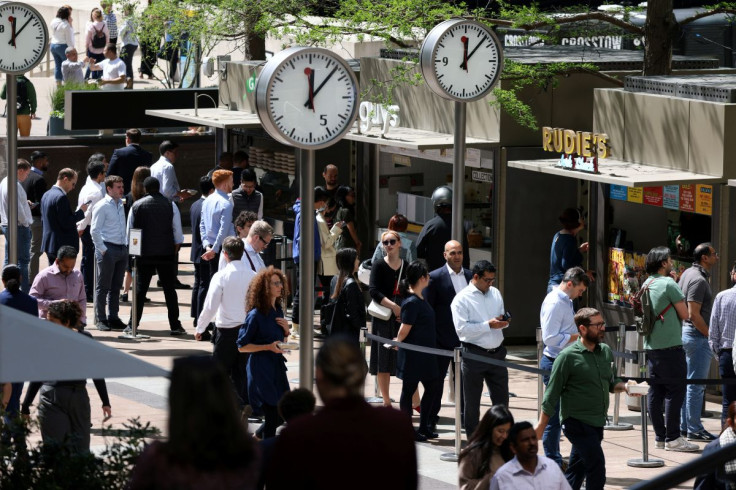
[[26, 104], [665, 355]]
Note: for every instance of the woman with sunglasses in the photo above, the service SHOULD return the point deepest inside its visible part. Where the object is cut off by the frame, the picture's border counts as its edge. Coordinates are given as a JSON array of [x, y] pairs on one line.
[[386, 273], [264, 328]]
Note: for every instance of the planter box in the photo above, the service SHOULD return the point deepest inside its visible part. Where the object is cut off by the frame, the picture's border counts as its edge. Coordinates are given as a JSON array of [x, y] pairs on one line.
[[56, 128]]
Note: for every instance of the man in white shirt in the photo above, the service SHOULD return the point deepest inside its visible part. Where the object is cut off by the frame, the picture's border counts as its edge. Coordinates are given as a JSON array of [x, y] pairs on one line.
[[479, 315], [228, 311], [92, 192], [259, 237], [23, 231], [113, 69], [527, 470], [557, 318]]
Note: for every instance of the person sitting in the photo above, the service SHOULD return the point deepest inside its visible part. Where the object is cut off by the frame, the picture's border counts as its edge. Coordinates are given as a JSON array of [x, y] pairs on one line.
[[487, 449], [724, 477], [208, 445]]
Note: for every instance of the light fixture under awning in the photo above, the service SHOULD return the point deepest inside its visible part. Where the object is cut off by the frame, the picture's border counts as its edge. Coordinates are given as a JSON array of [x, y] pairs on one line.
[[616, 172], [218, 117]]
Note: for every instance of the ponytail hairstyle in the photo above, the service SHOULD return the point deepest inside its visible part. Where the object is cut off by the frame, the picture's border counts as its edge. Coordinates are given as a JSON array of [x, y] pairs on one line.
[[415, 271], [11, 278], [346, 264]]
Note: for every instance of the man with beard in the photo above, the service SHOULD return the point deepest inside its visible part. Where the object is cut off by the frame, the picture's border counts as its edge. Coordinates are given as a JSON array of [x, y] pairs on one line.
[[581, 380]]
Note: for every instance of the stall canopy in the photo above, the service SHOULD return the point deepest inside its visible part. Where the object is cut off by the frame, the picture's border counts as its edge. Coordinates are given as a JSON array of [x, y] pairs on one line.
[[32, 349], [218, 117], [616, 172]]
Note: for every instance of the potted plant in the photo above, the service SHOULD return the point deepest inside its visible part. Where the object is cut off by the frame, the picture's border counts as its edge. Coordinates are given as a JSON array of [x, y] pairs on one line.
[[56, 117]]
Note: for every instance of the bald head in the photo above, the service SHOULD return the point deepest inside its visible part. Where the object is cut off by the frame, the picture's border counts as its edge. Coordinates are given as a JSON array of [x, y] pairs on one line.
[[454, 255], [330, 176]]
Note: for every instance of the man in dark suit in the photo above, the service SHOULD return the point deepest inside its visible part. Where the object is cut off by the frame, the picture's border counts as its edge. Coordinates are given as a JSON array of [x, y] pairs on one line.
[[444, 283], [35, 187], [199, 290], [59, 221], [124, 161]]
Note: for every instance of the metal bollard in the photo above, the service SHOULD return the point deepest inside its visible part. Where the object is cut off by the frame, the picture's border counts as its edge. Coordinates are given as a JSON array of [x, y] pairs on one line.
[[451, 391], [134, 306], [645, 461], [540, 383], [376, 398], [453, 457], [620, 345]]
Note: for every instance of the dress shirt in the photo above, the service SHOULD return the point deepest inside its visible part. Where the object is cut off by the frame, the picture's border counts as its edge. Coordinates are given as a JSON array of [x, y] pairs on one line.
[[108, 223], [228, 310], [61, 32], [92, 191], [72, 71], [164, 171], [723, 321], [255, 258], [216, 223], [111, 21], [51, 285], [471, 310], [458, 279], [175, 221], [24, 210], [558, 322], [223, 261], [547, 476]]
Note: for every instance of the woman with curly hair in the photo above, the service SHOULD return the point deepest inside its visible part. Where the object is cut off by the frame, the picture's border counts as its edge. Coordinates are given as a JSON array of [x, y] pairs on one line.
[[264, 328]]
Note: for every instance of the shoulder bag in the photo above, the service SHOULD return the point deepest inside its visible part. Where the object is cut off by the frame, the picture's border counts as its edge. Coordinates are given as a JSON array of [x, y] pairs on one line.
[[377, 310]]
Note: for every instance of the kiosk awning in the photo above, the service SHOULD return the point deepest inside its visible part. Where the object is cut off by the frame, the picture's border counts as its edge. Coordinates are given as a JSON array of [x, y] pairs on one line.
[[219, 117], [415, 139], [732, 182], [620, 173]]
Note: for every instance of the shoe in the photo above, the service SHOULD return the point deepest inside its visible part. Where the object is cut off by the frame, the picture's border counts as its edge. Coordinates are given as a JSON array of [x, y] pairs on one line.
[[659, 444], [103, 326], [703, 435], [419, 437], [124, 298], [418, 409], [146, 300], [128, 330], [178, 331], [429, 433], [683, 433], [681, 445], [116, 324], [181, 285], [206, 337]]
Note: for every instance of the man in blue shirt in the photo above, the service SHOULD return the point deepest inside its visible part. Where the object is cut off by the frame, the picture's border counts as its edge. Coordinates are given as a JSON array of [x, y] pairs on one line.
[[215, 225], [557, 319], [111, 253]]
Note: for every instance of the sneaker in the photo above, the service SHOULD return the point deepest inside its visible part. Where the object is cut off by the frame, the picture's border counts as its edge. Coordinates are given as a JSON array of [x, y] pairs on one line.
[[703, 435], [103, 326], [659, 444], [178, 331], [681, 445], [116, 324], [128, 330]]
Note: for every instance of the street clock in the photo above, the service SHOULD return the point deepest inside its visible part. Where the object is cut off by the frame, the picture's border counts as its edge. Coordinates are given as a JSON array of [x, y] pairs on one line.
[[23, 38]]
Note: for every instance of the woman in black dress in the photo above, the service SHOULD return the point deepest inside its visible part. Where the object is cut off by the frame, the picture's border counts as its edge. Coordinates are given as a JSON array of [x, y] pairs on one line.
[[384, 289], [417, 327], [349, 316]]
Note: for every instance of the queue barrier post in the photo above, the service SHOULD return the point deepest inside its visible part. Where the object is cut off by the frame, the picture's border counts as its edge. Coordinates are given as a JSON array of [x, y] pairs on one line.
[[645, 461], [376, 398], [540, 383], [620, 345], [134, 335], [453, 457]]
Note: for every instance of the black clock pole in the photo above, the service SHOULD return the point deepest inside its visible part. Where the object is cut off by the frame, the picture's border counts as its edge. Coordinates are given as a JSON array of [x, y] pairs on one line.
[[458, 173], [306, 268], [11, 90]]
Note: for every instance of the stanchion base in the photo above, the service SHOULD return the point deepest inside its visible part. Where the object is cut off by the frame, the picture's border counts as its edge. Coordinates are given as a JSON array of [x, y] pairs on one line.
[[374, 399], [650, 463], [130, 336], [619, 426], [451, 457]]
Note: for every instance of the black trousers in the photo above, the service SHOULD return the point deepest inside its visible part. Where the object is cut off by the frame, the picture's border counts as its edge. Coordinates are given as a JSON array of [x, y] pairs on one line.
[[227, 354], [474, 373], [88, 263], [443, 363], [161, 265], [198, 297], [431, 387], [666, 363]]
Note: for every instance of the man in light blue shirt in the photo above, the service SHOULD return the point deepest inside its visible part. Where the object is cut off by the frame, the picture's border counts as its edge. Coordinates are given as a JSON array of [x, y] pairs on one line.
[[479, 316], [216, 224], [557, 319], [108, 230], [164, 171]]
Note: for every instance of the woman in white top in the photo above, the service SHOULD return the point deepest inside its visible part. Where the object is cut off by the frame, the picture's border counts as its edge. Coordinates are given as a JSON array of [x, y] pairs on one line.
[[127, 34], [61, 33], [327, 237], [97, 38]]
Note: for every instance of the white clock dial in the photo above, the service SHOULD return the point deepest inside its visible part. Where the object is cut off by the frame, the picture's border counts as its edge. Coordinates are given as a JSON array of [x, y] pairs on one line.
[[23, 37], [307, 97], [461, 60]]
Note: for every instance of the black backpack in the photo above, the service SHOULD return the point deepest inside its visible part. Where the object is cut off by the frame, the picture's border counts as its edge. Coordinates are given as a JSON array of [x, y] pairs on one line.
[[98, 40], [22, 95]]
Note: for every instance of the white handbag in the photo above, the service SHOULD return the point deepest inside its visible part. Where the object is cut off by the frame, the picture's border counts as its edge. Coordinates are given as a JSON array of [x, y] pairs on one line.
[[379, 311]]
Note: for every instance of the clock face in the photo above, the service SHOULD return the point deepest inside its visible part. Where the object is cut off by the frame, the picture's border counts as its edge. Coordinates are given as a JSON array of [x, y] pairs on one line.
[[307, 97], [461, 60], [23, 38]]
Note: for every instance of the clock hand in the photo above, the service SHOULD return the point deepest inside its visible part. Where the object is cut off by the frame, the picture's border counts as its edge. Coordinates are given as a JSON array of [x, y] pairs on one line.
[[329, 75], [464, 64], [309, 104], [24, 26], [12, 31], [477, 46]]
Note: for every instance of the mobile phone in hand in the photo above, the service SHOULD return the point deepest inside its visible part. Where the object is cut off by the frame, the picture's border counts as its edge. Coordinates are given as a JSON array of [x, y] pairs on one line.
[[506, 316]]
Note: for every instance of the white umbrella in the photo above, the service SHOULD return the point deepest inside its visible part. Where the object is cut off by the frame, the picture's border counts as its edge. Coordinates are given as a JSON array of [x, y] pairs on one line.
[[32, 349]]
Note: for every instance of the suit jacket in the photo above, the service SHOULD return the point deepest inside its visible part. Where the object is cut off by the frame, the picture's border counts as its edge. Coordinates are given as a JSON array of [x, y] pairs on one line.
[[59, 221], [195, 217], [35, 187], [124, 161], [439, 294]]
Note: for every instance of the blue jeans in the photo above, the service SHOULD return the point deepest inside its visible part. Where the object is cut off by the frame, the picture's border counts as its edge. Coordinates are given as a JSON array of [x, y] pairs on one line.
[[24, 254], [551, 437], [698, 356], [57, 51]]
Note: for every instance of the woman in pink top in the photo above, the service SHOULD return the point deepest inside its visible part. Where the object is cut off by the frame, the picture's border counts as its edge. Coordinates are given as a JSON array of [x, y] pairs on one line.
[[97, 38]]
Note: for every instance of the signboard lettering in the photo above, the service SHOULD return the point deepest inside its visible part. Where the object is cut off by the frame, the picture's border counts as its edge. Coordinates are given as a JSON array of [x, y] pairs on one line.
[[383, 117]]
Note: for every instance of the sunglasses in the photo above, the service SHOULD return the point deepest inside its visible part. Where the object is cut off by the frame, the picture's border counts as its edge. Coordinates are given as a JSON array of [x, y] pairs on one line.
[[391, 241], [266, 243]]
